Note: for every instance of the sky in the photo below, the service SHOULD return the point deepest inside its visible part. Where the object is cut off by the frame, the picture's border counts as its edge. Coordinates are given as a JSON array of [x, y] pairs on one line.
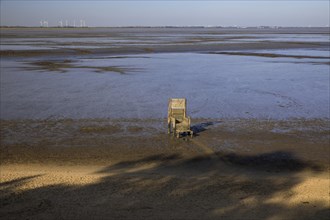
[[167, 13]]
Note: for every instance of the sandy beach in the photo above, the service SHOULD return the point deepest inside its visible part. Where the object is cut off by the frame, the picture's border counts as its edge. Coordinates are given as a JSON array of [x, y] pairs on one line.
[[75, 169]]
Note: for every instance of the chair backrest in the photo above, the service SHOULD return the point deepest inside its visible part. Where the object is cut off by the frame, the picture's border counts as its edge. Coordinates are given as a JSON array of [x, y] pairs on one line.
[[177, 108]]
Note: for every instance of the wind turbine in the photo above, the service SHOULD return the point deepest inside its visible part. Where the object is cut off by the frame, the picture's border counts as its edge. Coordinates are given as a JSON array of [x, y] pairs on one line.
[[61, 23], [66, 23], [41, 24], [81, 23], [74, 23]]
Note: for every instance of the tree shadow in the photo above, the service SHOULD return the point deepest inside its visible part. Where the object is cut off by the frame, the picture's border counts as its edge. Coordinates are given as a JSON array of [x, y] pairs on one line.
[[169, 186], [278, 161], [18, 181], [8, 188]]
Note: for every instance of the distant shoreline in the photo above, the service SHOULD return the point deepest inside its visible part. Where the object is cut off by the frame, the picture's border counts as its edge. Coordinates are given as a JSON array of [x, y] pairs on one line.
[[210, 27]]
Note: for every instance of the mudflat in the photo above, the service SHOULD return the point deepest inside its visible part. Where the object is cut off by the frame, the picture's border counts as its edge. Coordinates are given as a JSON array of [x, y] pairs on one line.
[[84, 134], [113, 41]]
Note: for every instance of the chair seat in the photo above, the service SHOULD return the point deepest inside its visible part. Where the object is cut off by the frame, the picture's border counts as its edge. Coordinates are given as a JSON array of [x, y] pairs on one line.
[[182, 127]]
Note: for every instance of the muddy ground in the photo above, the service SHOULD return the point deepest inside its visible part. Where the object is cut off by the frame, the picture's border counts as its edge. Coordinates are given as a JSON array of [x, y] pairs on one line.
[[132, 169]]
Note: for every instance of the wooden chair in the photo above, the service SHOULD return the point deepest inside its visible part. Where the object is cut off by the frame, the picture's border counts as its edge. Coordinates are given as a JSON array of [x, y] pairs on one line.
[[177, 120]]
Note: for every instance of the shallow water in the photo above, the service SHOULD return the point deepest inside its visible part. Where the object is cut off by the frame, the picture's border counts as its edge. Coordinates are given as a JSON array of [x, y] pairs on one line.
[[24, 47], [216, 86], [295, 52]]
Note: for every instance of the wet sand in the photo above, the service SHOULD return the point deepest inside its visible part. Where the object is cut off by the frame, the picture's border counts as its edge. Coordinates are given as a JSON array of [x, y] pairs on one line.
[[161, 49]]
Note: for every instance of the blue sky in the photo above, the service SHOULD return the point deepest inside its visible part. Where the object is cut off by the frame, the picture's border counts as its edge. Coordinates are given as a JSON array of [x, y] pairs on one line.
[[159, 13]]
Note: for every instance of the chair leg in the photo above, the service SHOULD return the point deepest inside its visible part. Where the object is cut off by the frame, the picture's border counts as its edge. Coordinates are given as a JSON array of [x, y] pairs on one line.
[[173, 128]]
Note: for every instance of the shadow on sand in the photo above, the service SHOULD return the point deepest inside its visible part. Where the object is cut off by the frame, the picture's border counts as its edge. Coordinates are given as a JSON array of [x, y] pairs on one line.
[[228, 186]]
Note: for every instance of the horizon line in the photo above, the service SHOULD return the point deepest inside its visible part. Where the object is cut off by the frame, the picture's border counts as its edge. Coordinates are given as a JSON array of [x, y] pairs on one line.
[[168, 26]]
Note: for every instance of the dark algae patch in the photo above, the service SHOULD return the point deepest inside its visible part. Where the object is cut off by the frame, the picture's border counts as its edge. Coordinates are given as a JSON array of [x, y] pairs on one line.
[[62, 66], [58, 66]]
